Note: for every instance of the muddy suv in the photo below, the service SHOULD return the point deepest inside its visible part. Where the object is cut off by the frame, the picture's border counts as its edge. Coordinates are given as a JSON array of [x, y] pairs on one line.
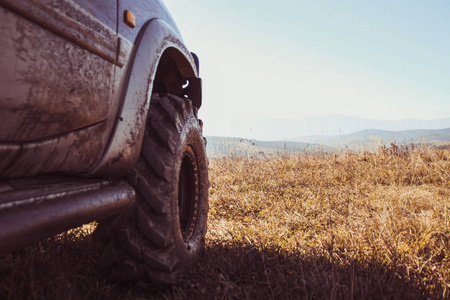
[[98, 112]]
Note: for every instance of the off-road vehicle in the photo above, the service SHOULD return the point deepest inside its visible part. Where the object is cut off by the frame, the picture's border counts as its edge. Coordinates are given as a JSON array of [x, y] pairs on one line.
[[98, 121]]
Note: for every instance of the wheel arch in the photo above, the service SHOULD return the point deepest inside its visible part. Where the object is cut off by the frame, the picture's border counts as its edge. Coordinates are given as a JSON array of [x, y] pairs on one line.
[[157, 44]]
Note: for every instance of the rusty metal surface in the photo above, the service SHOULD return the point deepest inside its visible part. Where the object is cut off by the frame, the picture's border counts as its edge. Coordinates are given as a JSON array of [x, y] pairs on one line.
[[30, 218]]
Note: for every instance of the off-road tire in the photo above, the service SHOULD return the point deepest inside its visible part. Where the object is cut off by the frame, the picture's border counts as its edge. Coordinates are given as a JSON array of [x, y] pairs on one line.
[[166, 229]]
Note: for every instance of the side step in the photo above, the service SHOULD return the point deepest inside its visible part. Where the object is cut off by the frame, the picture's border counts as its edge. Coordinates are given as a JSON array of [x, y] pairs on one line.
[[33, 209]]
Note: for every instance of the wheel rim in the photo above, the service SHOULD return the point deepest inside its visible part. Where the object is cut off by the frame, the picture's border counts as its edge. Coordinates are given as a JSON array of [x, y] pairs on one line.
[[188, 192]]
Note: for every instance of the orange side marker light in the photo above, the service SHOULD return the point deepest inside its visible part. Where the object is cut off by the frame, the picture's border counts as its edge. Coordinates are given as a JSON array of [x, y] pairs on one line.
[[130, 19]]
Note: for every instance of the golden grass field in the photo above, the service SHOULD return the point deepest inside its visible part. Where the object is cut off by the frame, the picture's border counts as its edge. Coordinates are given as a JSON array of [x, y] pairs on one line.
[[292, 226]]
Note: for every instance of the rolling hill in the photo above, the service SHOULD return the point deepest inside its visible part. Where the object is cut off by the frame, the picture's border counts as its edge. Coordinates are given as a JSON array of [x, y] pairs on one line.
[[368, 140], [266, 129]]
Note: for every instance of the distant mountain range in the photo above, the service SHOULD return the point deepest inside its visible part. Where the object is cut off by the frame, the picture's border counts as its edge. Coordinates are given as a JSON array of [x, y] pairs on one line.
[[283, 129], [368, 139], [371, 139]]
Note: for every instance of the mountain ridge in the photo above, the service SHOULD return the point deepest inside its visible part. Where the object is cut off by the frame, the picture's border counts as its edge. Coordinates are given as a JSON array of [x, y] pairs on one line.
[[271, 129], [372, 138], [367, 139]]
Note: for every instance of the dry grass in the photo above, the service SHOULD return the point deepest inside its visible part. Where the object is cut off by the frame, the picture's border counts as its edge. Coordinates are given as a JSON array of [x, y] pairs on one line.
[[304, 226]]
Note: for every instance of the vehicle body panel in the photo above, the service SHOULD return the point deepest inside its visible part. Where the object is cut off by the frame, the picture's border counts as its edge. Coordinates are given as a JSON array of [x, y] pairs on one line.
[[156, 38], [142, 48], [51, 84], [74, 93], [54, 87]]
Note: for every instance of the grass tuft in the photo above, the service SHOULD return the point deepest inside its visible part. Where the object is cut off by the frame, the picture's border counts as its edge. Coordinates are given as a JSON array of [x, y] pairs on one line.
[[296, 226]]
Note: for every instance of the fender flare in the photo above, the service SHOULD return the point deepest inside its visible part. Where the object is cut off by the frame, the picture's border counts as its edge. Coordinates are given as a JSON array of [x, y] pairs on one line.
[[156, 38]]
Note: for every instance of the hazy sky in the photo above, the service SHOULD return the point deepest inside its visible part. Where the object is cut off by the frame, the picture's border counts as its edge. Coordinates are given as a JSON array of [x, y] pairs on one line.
[[297, 59]]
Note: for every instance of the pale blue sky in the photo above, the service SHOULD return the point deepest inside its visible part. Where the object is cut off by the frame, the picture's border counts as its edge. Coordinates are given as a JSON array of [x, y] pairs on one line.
[[296, 59]]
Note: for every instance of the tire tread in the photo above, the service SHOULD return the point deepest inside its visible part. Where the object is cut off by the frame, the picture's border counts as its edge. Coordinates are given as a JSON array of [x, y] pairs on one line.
[[146, 244]]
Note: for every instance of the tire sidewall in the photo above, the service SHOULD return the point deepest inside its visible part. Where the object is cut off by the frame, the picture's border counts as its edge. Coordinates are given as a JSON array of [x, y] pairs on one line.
[[191, 136]]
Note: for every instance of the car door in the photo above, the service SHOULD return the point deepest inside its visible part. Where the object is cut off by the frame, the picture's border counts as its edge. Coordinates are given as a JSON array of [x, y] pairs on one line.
[[57, 66]]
